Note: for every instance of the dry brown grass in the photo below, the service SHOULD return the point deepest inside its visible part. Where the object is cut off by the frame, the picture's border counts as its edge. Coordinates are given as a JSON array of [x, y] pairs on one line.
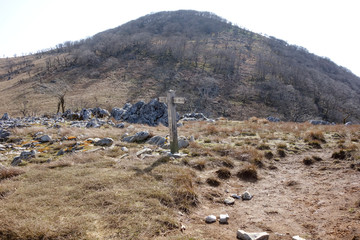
[[10, 172], [248, 173]]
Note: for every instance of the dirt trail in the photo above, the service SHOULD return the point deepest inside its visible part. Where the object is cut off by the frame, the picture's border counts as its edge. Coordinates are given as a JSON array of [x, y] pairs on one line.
[[315, 202]]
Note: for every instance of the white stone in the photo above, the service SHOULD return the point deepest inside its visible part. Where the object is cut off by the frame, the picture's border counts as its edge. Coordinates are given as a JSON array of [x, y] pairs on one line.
[[210, 219], [229, 201], [252, 236], [298, 238], [246, 196], [124, 149], [224, 218], [144, 151]]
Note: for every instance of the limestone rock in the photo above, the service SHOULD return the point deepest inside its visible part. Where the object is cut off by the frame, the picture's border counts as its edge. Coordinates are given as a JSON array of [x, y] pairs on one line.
[[252, 236], [138, 137], [224, 218], [183, 143], [144, 151], [210, 219], [298, 238], [104, 142], [44, 139], [5, 117], [4, 135], [85, 114], [273, 119], [124, 149], [156, 140], [319, 122], [246, 196], [229, 201]]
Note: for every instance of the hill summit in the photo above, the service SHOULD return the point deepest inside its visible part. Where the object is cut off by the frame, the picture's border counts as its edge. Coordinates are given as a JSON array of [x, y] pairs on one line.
[[222, 70]]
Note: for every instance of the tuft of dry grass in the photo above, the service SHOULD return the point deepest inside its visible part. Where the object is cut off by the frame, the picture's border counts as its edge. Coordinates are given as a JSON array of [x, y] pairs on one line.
[[308, 161], [315, 135], [213, 182], [248, 173], [223, 173], [10, 172]]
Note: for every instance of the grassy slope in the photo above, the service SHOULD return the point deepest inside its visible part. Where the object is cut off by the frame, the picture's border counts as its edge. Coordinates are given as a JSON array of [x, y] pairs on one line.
[[99, 195]]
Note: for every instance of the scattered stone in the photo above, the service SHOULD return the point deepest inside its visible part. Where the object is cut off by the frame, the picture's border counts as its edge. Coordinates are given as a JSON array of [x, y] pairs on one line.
[[156, 140], [61, 152], [183, 142], [298, 238], [319, 122], [105, 142], [144, 151], [4, 135], [120, 125], [224, 218], [124, 149], [273, 119], [252, 236], [246, 196], [229, 201], [210, 219], [138, 137], [348, 123], [194, 117], [26, 155], [93, 123], [235, 196], [85, 114], [5, 117], [44, 139]]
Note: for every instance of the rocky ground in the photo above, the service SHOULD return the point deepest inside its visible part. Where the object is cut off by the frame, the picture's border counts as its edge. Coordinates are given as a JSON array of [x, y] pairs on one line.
[[303, 179]]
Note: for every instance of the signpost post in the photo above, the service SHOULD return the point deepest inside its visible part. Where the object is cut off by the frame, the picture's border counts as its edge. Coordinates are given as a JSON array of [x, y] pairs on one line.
[[171, 100]]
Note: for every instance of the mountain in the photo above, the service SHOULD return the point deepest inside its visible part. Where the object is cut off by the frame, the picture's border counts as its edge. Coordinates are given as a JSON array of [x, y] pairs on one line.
[[221, 69]]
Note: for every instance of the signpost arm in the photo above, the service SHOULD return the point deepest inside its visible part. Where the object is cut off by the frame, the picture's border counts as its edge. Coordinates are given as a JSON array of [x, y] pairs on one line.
[[174, 146]]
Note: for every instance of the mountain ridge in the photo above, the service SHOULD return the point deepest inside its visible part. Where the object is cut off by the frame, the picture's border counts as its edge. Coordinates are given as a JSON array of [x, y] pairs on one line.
[[222, 70]]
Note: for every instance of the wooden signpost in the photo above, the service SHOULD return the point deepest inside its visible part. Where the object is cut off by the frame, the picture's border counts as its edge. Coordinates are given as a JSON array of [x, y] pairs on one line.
[[171, 100]]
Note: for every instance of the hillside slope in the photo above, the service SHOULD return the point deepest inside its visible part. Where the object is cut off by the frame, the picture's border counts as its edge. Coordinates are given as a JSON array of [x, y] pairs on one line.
[[221, 69]]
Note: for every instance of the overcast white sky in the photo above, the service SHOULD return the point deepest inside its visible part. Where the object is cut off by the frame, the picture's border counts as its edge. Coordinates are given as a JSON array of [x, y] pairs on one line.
[[328, 28]]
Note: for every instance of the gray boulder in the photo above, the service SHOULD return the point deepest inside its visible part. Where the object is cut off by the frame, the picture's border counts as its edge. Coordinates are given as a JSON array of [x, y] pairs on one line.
[[138, 137], [183, 142], [100, 112], [104, 142], [246, 196], [319, 122], [5, 117], [273, 119], [26, 155], [152, 113], [44, 139], [117, 113], [93, 123], [210, 219], [156, 140], [242, 235], [4, 135], [85, 114]]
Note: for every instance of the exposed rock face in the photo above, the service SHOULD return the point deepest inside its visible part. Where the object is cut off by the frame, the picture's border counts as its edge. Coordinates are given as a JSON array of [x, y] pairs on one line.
[[152, 113]]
